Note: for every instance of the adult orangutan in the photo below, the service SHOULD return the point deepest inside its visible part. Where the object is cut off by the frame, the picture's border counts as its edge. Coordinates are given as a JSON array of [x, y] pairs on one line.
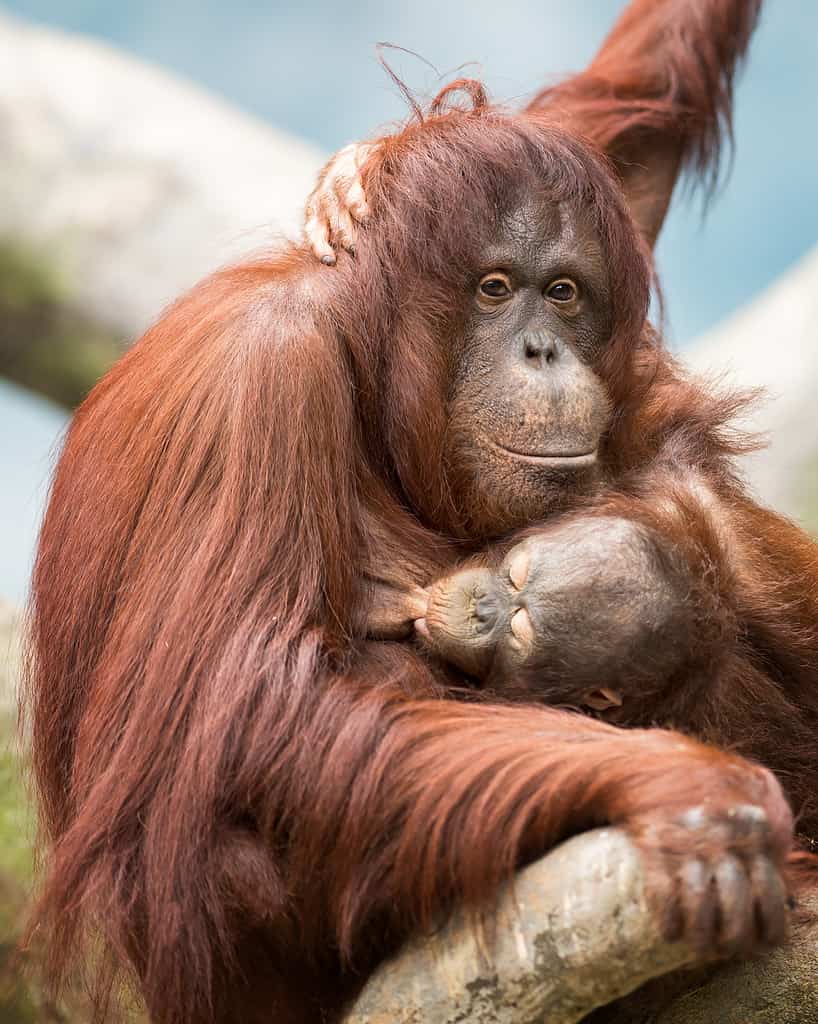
[[583, 611], [247, 800]]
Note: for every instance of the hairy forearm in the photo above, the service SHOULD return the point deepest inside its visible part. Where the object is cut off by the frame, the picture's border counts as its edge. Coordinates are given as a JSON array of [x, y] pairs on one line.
[[775, 573], [413, 805]]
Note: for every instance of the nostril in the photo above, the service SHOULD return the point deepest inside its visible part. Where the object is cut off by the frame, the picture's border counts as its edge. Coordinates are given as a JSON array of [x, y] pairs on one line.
[[540, 349]]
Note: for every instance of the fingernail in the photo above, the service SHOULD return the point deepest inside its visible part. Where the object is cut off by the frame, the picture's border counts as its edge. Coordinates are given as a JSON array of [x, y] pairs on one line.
[[328, 261]]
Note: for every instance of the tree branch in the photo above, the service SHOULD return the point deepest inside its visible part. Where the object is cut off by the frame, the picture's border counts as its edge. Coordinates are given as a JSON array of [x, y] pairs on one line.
[[576, 934]]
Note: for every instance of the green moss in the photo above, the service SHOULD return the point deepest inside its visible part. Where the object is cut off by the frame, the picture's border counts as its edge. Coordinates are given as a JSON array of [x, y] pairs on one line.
[[22, 996], [18, 1004], [45, 343], [806, 495], [22, 999], [16, 819]]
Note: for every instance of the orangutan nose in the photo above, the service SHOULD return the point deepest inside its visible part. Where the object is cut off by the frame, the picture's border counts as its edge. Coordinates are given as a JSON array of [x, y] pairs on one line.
[[541, 349]]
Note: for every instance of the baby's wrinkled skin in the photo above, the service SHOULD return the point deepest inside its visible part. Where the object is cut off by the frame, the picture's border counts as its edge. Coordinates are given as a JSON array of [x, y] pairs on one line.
[[573, 615]]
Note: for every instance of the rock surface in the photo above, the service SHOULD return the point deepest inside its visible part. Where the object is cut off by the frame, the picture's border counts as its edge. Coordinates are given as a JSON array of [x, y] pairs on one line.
[[773, 344], [574, 935], [136, 181]]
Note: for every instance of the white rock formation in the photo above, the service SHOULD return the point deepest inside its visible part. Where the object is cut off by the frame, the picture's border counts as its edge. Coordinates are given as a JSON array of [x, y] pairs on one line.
[[772, 343], [141, 182]]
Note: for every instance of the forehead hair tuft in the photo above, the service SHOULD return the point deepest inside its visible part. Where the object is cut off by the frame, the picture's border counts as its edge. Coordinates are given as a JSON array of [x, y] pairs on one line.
[[443, 185]]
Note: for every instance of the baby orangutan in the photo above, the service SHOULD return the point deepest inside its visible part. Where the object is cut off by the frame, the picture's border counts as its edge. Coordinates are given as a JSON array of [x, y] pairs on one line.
[[571, 616], [591, 612]]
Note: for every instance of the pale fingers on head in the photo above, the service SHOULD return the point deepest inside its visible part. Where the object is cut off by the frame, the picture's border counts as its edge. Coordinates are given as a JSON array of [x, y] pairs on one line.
[[321, 212], [349, 203], [342, 226], [345, 178], [337, 203], [317, 234], [355, 196], [356, 200]]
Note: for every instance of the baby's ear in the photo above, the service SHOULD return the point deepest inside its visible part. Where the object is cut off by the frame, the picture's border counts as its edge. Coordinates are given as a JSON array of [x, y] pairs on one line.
[[657, 99]]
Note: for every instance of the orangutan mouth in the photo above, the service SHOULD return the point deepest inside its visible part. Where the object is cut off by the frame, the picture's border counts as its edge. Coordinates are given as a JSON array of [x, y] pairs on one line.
[[549, 460]]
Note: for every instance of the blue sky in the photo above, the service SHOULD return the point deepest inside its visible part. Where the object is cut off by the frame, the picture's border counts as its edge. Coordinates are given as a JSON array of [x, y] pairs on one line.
[[311, 68]]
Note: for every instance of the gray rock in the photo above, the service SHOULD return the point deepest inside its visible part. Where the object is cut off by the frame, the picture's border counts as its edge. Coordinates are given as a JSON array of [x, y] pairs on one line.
[[772, 343], [136, 182], [574, 935]]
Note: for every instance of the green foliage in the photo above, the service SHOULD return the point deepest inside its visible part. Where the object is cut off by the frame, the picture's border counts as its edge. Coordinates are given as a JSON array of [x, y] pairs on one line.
[[18, 1000], [46, 344], [16, 819], [806, 495], [22, 996]]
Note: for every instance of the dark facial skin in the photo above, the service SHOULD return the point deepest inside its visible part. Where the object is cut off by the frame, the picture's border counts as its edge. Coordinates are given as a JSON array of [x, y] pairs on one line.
[[528, 410], [586, 611], [591, 611]]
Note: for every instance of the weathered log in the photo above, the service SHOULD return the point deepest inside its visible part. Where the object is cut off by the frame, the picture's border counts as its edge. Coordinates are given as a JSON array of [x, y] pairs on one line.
[[135, 182], [574, 934]]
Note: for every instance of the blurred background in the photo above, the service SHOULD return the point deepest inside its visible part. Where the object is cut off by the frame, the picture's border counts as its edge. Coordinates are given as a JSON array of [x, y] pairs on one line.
[[143, 144]]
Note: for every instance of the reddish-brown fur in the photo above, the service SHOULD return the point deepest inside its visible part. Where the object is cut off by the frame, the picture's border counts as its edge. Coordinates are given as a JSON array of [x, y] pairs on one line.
[[658, 95], [246, 800]]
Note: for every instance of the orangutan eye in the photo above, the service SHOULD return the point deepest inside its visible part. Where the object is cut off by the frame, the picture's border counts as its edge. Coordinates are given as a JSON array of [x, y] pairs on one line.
[[496, 286], [563, 290]]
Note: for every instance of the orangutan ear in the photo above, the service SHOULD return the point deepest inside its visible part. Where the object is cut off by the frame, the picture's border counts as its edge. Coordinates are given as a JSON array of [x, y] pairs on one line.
[[657, 99]]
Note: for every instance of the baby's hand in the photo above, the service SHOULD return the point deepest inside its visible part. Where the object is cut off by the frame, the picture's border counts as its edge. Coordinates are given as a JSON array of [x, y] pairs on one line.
[[337, 204]]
